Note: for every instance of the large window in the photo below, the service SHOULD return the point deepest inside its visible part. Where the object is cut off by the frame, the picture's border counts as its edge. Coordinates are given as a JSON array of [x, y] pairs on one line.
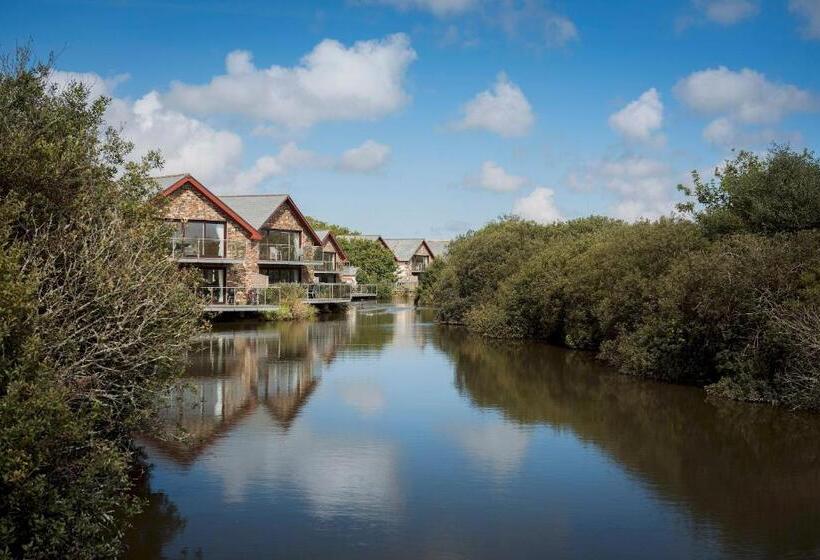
[[284, 274], [329, 259], [212, 285], [198, 238], [419, 262]]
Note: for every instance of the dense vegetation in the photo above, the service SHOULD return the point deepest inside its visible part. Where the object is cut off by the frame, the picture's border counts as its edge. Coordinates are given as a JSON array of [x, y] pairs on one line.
[[726, 296], [94, 318], [375, 263], [335, 229]]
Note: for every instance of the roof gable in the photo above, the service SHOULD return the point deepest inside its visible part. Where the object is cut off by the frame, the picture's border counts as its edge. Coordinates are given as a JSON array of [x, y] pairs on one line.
[[258, 208], [404, 249], [327, 235], [172, 183]]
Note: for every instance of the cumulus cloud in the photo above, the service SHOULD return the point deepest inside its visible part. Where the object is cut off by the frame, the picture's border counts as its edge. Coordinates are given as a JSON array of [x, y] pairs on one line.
[[534, 23], [493, 177], [503, 110], [368, 157], [440, 8], [644, 187], [727, 12], [723, 132], [809, 12], [539, 205], [187, 144], [640, 119], [97, 85], [331, 83], [746, 95]]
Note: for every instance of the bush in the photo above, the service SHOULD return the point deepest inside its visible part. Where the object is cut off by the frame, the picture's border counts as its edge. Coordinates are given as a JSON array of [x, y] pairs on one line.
[[95, 318], [375, 262], [728, 300]]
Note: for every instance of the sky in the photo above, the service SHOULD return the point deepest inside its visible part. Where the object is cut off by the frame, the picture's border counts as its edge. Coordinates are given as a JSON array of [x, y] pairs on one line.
[[432, 117]]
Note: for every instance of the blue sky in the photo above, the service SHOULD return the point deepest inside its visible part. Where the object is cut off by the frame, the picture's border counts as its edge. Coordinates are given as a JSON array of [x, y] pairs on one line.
[[429, 117]]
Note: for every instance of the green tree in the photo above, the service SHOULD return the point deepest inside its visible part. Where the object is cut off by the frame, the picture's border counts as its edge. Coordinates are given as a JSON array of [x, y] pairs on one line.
[[375, 263], [336, 229], [767, 194], [95, 318]]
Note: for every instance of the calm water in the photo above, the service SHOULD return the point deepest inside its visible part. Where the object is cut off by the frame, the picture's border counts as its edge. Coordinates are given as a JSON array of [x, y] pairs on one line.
[[381, 435]]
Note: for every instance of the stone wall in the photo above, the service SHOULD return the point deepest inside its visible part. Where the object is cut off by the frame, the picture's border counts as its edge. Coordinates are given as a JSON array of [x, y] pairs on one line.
[[188, 204], [285, 219]]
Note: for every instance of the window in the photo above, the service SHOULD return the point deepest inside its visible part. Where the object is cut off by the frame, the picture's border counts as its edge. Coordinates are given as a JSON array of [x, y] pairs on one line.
[[282, 275], [198, 238], [419, 262], [330, 260]]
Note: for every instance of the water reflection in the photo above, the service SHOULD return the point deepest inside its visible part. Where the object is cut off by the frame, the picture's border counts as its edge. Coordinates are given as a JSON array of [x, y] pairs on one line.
[[378, 434], [752, 471]]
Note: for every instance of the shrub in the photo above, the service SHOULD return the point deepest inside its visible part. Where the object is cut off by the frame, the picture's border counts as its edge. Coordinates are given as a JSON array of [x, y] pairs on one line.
[[375, 262], [95, 318]]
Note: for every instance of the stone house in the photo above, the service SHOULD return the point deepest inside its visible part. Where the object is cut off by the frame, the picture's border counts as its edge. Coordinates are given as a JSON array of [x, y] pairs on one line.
[[336, 267], [413, 256], [240, 242]]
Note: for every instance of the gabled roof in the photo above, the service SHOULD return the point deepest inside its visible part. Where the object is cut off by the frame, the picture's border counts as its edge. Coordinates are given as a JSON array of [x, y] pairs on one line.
[[171, 183], [404, 249], [325, 235], [438, 247], [257, 208]]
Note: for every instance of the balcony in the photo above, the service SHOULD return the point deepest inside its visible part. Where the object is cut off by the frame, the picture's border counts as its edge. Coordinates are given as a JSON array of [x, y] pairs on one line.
[[417, 267], [364, 291], [274, 253], [236, 298], [206, 250], [329, 267]]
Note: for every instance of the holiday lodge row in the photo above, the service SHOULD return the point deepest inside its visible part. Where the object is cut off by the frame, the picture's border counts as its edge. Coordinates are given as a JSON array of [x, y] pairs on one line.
[[251, 249]]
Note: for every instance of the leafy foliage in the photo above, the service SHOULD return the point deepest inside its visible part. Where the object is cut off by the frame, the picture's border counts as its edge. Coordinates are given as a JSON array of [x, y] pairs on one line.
[[336, 229], [375, 263], [728, 301], [95, 318]]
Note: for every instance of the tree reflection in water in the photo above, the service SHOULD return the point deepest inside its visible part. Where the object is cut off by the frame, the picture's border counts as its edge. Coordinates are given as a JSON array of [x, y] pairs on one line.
[[751, 470]]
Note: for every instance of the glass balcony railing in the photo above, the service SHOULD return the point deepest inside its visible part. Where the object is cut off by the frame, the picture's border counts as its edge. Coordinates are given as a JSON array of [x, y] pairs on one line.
[[276, 252], [418, 266], [206, 248], [275, 294]]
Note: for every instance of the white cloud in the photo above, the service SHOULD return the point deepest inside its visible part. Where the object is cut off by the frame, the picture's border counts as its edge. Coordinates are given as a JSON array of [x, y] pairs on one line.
[[746, 95], [290, 157], [727, 12], [366, 158], [440, 8], [559, 30], [97, 85], [644, 187], [493, 177], [498, 447], [539, 205], [503, 110], [187, 144], [331, 83], [534, 23], [640, 119], [809, 10], [725, 133]]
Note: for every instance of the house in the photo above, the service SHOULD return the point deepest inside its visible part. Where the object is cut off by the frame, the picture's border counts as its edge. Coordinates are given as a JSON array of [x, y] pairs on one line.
[[243, 244], [334, 260], [413, 256], [439, 247]]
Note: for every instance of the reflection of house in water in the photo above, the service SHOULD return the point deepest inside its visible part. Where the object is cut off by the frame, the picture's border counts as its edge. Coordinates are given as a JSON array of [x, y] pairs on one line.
[[230, 374]]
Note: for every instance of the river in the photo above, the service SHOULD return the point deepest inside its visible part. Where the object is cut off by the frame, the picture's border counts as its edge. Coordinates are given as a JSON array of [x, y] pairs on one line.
[[382, 435]]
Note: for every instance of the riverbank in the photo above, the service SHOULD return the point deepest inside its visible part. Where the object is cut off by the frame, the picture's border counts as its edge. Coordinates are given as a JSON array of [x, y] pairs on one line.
[[725, 297]]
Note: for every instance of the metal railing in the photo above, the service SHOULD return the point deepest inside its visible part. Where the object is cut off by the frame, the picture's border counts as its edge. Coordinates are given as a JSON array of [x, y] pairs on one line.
[[206, 248], [275, 294], [288, 253], [418, 266], [364, 290], [330, 266]]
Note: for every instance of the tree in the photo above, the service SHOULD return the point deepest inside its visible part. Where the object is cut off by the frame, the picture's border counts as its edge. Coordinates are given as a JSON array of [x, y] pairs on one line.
[[778, 192], [96, 319], [375, 263], [335, 229]]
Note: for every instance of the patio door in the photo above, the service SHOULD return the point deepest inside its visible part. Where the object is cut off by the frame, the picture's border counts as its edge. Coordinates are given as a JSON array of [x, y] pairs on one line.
[[213, 284]]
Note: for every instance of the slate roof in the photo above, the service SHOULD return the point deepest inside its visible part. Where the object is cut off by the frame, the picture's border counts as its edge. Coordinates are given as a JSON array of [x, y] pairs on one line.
[[322, 233], [365, 237], [403, 249], [165, 181], [439, 247], [254, 208]]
